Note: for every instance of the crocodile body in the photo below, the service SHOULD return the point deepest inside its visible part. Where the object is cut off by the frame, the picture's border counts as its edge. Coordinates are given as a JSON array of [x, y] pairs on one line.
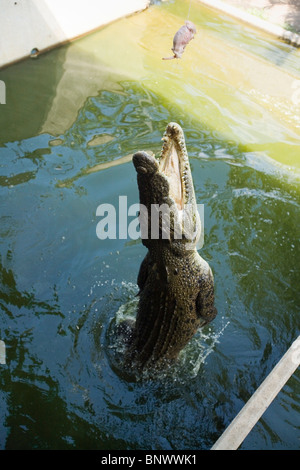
[[176, 286]]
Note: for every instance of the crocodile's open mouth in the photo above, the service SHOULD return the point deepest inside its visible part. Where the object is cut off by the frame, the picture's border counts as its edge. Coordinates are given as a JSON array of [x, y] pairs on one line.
[[173, 163], [168, 181], [170, 167]]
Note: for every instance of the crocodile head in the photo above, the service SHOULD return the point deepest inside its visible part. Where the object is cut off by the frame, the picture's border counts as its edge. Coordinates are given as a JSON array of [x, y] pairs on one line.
[[168, 208]]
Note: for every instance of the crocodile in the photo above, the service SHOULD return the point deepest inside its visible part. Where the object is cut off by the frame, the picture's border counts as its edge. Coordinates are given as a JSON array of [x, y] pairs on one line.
[[176, 285]]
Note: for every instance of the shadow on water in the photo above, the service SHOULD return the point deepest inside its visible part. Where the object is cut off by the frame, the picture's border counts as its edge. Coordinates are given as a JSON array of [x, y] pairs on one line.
[[61, 287]]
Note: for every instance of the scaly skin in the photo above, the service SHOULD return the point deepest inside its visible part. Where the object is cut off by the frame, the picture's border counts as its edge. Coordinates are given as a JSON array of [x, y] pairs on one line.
[[176, 285]]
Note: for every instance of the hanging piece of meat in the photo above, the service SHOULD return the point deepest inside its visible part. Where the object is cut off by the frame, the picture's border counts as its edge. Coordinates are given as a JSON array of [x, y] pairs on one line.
[[181, 39]]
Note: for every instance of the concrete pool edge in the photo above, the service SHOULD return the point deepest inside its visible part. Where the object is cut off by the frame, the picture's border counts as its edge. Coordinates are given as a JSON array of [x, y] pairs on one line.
[[42, 25], [258, 23]]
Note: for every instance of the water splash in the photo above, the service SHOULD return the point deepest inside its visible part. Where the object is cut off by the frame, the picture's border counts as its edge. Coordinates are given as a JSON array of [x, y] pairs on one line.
[[191, 358], [201, 346]]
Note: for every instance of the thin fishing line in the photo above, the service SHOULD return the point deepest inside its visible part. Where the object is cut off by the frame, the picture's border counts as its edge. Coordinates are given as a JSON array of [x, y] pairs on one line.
[[188, 15]]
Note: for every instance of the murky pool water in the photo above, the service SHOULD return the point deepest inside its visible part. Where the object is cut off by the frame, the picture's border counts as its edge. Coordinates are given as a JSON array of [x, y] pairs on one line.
[[72, 120]]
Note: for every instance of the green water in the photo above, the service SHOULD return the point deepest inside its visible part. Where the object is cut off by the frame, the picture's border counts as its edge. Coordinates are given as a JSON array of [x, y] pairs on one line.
[[68, 115]]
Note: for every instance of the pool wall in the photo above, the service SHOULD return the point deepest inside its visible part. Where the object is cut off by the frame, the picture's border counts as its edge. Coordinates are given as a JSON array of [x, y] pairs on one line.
[[43, 24], [256, 22]]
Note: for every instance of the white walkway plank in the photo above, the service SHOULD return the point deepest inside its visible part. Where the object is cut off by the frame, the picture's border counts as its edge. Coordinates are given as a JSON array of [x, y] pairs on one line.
[[242, 424]]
